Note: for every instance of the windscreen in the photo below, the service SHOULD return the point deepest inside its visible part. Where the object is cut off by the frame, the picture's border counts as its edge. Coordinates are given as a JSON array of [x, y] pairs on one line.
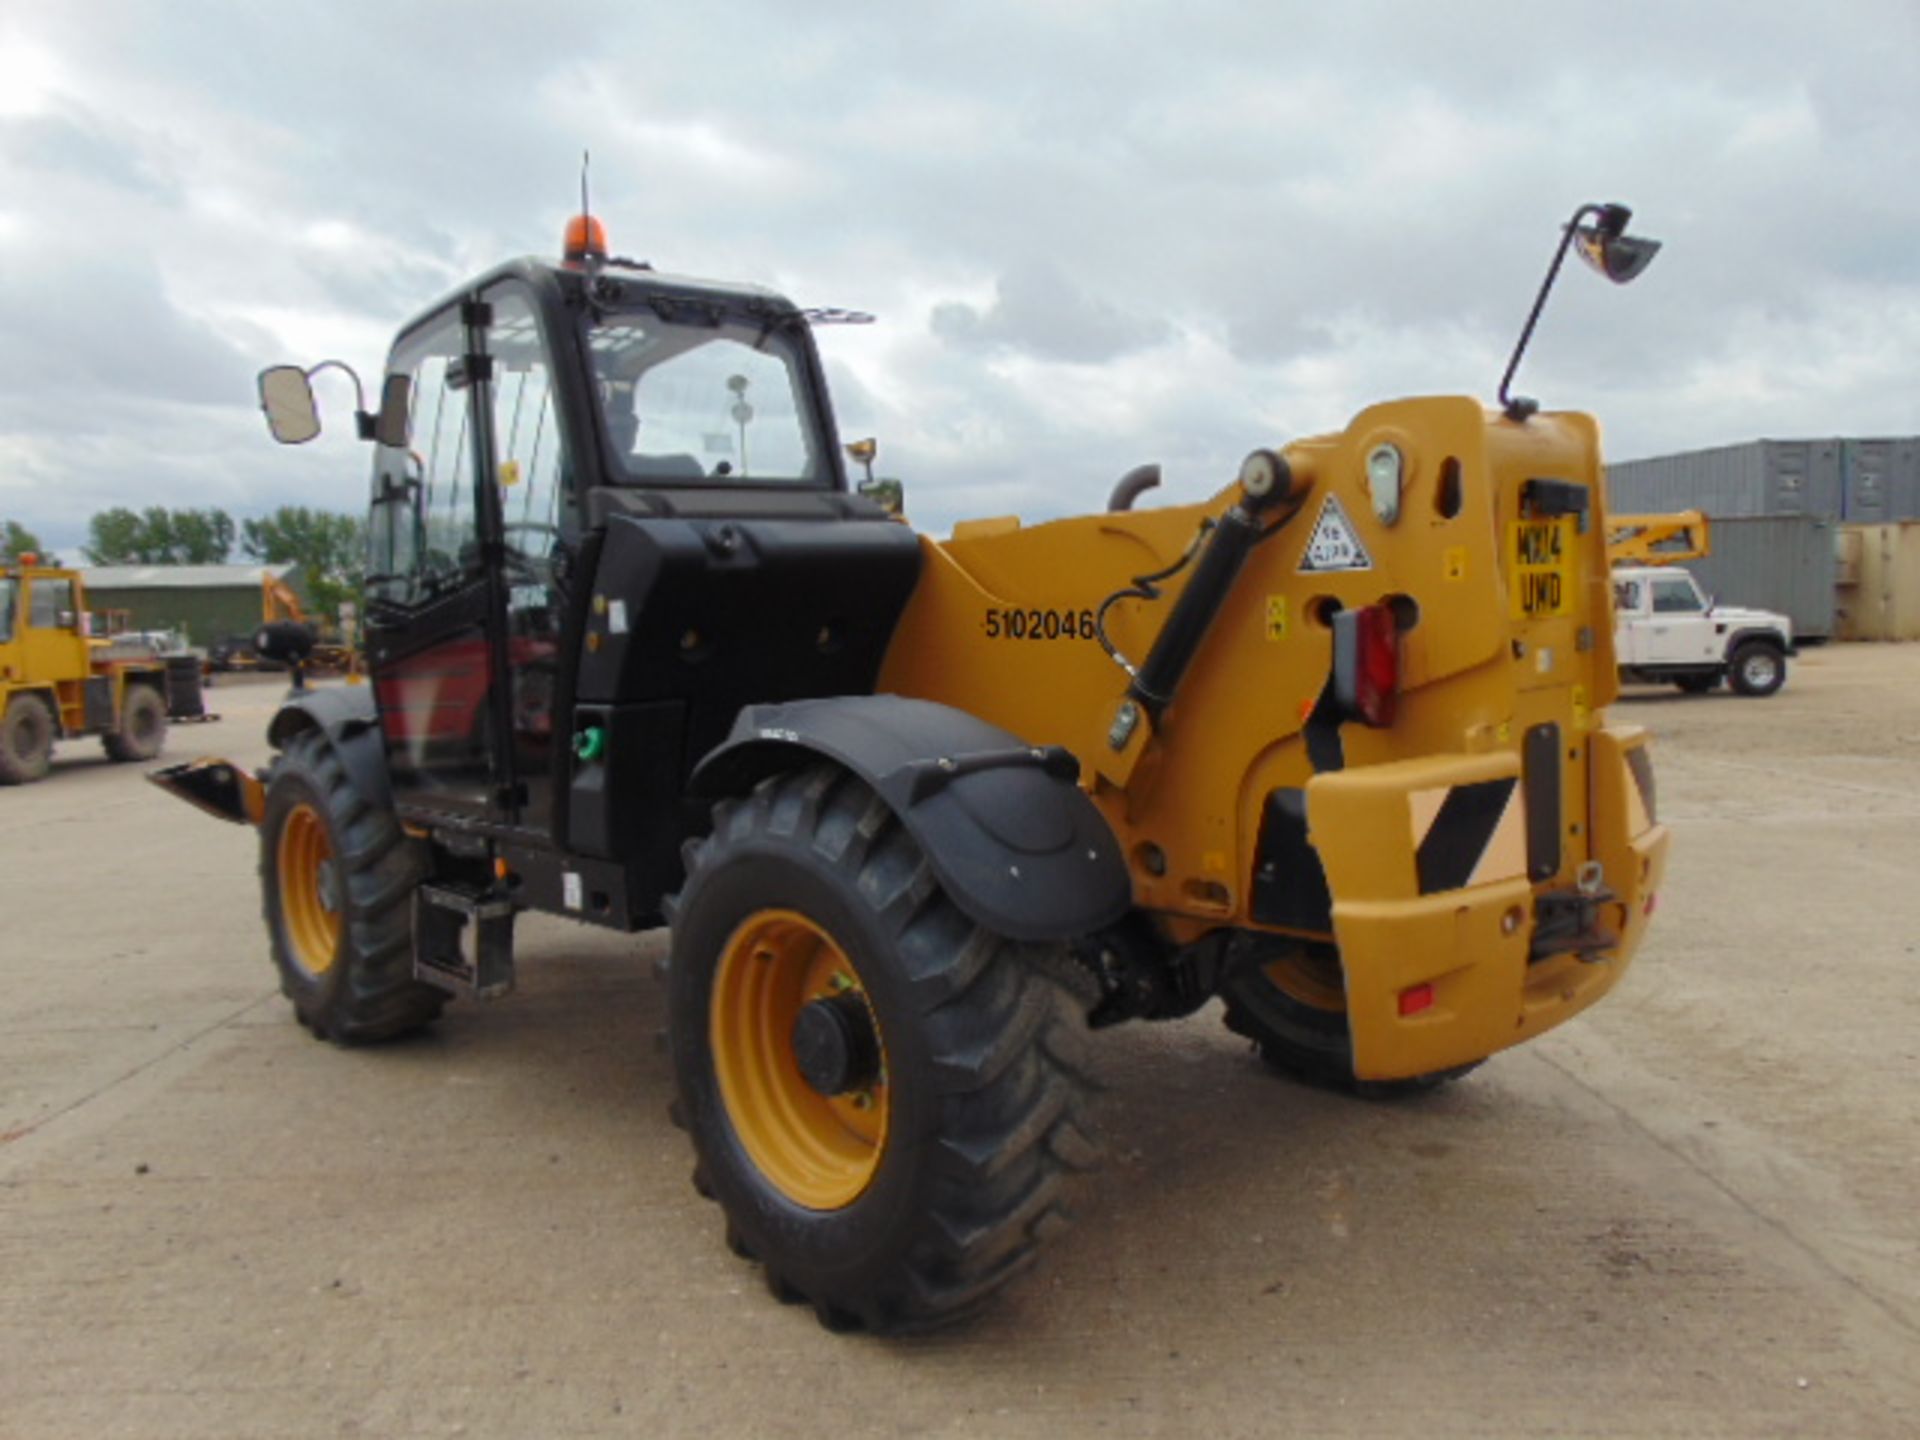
[[698, 394]]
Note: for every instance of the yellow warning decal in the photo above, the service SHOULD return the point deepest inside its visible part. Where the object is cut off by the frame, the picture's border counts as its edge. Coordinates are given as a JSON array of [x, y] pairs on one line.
[[1453, 562], [1276, 617], [1466, 835]]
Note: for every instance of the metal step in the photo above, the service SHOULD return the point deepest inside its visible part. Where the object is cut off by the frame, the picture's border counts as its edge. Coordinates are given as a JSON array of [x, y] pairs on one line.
[[441, 954]]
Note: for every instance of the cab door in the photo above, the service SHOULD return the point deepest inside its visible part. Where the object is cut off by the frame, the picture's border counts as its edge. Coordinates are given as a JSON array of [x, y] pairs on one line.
[[1679, 631], [1629, 617], [539, 541], [432, 642]]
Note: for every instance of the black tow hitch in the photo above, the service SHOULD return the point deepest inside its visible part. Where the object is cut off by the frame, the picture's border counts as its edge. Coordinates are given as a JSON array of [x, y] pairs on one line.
[[1568, 921]]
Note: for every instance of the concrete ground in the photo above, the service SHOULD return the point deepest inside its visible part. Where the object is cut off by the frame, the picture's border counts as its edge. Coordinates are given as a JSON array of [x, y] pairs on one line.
[[1691, 1212]]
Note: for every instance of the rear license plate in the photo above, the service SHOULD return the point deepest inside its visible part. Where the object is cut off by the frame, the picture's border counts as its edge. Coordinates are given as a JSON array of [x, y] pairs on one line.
[[1540, 557]]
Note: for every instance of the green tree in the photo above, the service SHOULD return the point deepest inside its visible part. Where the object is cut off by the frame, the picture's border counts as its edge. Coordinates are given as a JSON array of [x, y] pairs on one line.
[[116, 537], [159, 536], [329, 548], [16, 540], [197, 537]]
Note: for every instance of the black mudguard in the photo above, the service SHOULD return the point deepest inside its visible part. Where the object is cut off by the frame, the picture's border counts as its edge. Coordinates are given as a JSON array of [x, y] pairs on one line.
[[347, 717], [1754, 632], [1005, 827]]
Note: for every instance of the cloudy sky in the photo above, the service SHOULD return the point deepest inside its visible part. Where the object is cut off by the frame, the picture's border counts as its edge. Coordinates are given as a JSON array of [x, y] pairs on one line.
[[1094, 233]]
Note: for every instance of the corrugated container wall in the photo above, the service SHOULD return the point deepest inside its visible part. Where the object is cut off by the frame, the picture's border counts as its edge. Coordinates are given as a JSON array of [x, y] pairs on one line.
[[1865, 481], [1783, 563], [1880, 582], [1880, 480], [1761, 477]]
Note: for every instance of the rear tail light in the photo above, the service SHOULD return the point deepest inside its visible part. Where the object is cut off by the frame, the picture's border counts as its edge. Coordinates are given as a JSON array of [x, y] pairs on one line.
[[1366, 663], [1416, 998]]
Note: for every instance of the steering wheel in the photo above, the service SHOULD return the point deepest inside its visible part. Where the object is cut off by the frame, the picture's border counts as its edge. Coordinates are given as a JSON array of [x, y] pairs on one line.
[[530, 560]]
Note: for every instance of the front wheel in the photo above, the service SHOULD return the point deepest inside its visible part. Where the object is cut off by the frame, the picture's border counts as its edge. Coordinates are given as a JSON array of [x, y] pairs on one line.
[[26, 740], [884, 1098], [1757, 669], [337, 878], [1292, 1004]]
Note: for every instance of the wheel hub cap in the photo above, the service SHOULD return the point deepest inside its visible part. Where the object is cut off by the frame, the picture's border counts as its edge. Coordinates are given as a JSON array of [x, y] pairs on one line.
[[834, 1045], [799, 1059]]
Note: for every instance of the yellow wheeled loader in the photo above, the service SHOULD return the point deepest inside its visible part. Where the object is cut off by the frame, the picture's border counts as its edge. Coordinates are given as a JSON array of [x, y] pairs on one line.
[[924, 814], [55, 685]]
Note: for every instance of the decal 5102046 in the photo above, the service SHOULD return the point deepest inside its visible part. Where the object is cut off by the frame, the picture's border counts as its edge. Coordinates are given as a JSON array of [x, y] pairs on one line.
[[1027, 622]]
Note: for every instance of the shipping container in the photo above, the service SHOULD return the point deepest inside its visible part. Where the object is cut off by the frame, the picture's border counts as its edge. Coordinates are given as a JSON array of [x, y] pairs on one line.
[[1784, 563], [1880, 481], [1880, 582], [1865, 480]]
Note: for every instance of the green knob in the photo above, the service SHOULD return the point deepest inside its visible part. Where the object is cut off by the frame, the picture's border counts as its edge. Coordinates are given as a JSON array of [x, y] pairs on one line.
[[590, 743]]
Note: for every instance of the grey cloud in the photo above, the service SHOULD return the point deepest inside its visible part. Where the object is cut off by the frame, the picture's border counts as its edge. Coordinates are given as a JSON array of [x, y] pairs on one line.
[[1038, 308], [74, 141], [95, 322], [1354, 201]]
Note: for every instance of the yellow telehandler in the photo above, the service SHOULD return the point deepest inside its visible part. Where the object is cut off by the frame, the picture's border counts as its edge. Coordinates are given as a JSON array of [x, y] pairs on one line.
[[923, 814]]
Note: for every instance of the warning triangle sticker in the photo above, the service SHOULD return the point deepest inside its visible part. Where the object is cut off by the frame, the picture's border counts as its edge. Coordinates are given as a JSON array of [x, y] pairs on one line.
[[1334, 544]]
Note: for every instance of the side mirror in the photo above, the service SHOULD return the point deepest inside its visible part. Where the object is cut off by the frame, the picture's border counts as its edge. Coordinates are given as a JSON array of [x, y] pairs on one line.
[[286, 398]]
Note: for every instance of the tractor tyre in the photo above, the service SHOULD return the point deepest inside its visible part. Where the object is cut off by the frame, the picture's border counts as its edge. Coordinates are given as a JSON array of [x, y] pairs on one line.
[[1698, 684], [886, 1100], [337, 880], [26, 740], [142, 732], [1293, 1008], [1756, 669]]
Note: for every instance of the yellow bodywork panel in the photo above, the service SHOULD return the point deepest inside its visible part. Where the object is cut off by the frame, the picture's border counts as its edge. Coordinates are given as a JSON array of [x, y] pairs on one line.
[[1001, 625], [1507, 642]]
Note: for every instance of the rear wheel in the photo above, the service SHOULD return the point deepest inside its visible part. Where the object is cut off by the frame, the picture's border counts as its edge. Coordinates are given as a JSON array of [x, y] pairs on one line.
[[337, 877], [142, 732], [1292, 1004], [883, 1097], [26, 740], [1757, 669]]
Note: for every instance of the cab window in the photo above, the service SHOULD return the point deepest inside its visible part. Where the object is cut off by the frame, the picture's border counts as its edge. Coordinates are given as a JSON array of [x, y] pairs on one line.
[[49, 599], [1675, 596], [422, 539], [528, 448], [9, 597], [1626, 594], [696, 393]]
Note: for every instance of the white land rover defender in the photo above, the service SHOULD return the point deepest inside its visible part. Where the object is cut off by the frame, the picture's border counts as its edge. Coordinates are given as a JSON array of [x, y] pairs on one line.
[[1666, 631]]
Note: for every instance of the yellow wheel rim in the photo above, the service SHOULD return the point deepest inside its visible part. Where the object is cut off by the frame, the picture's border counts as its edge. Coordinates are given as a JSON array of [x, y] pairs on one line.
[[1311, 979], [820, 1151], [309, 898]]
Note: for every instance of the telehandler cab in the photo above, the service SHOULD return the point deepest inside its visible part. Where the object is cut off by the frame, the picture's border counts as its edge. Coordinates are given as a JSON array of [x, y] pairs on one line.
[[921, 813]]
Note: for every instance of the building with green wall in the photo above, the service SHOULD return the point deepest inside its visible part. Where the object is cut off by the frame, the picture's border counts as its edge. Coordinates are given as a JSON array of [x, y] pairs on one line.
[[209, 602]]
